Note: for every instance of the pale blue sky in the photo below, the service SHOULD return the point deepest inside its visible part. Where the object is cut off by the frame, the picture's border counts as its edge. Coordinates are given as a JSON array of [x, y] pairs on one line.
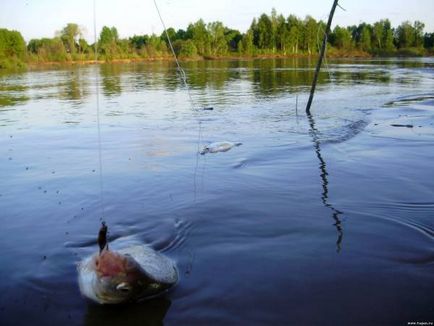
[[41, 18]]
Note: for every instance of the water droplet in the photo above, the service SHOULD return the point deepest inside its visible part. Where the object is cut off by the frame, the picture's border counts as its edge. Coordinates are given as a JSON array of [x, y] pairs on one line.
[[52, 172], [60, 203], [93, 170], [10, 158], [39, 187], [27, 168], [45, 191], [57, 191], [44, 257]]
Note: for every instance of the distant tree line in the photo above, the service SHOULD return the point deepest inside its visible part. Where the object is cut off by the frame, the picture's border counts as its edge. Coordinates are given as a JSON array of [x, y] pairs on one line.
[[272, 35]]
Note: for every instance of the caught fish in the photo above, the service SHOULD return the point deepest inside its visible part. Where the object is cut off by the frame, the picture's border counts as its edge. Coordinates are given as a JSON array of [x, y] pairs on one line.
[[216, 147], [127, 275]]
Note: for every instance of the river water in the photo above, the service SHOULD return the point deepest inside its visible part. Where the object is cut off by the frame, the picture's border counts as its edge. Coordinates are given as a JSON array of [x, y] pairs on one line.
[[314, 220]]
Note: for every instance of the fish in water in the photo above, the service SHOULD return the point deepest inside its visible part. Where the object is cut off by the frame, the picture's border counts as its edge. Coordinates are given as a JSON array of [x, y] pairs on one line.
[[216, 147], [127, 275]]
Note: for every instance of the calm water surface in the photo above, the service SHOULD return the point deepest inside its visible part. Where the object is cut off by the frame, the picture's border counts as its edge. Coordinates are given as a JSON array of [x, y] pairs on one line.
[[326, 219]]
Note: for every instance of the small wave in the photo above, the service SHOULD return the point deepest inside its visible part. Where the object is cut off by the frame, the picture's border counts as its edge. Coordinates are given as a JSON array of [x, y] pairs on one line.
[[343, 133], [411, 99], [182, 229], [423, 229]]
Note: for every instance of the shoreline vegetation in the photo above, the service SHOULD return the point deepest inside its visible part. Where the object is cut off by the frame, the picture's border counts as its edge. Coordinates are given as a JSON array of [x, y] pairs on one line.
[[269, 36]]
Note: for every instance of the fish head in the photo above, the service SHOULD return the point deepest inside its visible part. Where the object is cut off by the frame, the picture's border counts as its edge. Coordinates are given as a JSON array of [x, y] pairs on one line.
[[120, 278], [205, 150]]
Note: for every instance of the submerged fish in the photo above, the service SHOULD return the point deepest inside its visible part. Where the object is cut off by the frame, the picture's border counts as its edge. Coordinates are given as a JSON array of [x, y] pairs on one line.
[[216, 147], [127, 275]]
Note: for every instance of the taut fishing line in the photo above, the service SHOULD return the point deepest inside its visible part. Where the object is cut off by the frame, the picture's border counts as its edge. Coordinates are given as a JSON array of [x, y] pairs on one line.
[[327, 67], [98, 122], [183, 77], [180, 70]]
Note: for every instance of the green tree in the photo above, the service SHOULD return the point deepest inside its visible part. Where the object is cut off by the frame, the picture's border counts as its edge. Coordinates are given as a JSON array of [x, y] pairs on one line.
[[418, 33], [156, 47], [365, 38], [198, 33], [405, 35], [107, 42], [185, 48], [247, 43], [274, 25], [294, 34], [233, 38], [172, 34], [428, 41], [341, 38], [181, 34], [12, 49], [282, 34], [388, 38], [310, 35], [218, 44], [12, 44], [70, 35], [265, 33], [377, 34], [255, 32], [48, 49], [139, 41]]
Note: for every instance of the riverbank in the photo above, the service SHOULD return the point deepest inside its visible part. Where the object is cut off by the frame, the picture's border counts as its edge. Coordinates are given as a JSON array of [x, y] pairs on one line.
[[331, 53]]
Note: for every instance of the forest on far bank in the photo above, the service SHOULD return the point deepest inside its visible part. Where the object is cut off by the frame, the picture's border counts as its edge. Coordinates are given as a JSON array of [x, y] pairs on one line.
[[268, 35]]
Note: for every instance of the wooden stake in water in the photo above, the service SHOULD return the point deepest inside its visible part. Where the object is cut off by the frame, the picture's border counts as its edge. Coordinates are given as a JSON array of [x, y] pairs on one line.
[[323, 47]]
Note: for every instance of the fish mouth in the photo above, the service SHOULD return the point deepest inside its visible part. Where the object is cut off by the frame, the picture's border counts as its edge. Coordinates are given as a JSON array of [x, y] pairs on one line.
[[154, 290], [118, 290]]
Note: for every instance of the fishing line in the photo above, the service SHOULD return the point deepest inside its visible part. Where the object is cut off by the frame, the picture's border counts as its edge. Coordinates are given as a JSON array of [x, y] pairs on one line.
[[180, 70], [327, 67], [183, 77], [98, 122]]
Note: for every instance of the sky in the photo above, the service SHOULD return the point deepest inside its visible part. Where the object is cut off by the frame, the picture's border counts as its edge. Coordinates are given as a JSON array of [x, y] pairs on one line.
[[42, 18]]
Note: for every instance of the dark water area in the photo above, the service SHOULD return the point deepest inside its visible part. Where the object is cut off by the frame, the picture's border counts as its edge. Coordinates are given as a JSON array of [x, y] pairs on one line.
[[314, 220]]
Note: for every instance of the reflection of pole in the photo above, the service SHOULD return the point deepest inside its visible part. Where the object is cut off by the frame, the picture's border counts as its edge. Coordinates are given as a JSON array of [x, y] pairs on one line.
[[318, 65], [325, 191]]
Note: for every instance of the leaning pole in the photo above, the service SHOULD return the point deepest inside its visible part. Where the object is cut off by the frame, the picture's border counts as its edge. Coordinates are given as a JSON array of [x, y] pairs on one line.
[[318, 65]]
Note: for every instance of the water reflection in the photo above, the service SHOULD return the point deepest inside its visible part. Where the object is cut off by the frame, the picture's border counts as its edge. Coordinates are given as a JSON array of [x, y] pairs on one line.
[[12, 94], [202, 74], [111, 79], [151, 312], [267, 77], [323, 174], [75, 88], [8, 100]]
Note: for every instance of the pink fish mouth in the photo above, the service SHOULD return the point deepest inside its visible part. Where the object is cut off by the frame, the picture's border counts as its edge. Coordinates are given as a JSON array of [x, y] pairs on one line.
[[112, 264]]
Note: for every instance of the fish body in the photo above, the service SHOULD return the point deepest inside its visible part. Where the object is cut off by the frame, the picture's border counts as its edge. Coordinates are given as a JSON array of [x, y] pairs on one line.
[[127, 275], [216, 147]]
